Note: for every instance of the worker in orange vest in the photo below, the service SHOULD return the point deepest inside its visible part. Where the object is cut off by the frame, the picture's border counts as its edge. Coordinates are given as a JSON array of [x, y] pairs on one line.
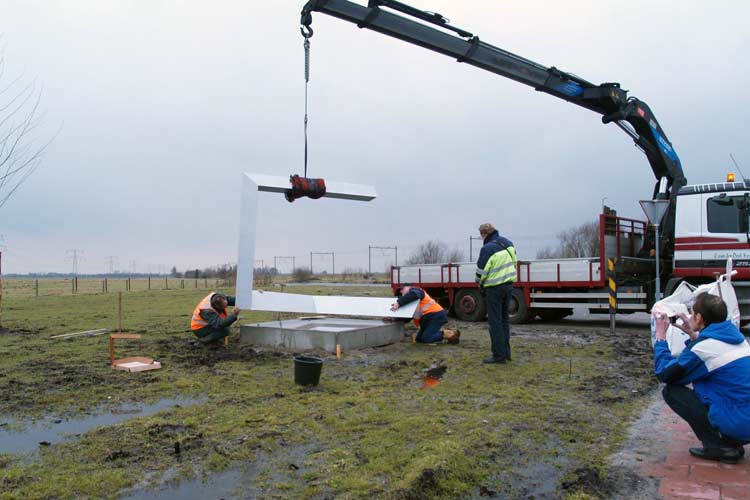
[[210, 321], [429, 316]]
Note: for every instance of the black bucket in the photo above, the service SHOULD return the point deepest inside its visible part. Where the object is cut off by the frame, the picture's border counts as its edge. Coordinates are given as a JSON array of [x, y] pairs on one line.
[[307, 370]]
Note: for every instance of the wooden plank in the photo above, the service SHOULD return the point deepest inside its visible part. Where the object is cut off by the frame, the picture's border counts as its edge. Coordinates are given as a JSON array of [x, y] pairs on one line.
[[89, 333]]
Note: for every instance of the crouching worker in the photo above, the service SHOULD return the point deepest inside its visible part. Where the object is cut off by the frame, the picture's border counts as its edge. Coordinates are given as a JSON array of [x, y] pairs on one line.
[[210, 321], [716, 360], [429, 316]]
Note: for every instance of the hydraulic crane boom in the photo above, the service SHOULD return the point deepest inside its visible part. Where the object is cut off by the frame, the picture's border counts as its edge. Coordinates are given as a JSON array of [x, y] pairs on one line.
[[608, 99]]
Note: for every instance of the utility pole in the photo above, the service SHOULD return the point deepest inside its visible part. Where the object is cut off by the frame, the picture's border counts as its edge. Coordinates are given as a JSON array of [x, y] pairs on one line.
[[471, 246], [75, 255], [333, 261], [383, 249]]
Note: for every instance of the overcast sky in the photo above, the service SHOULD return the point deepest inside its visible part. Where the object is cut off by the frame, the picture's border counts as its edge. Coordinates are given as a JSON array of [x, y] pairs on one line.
[[164, 103]]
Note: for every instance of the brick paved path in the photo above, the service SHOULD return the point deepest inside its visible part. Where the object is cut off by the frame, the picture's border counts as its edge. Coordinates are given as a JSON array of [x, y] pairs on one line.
[[684, 477]]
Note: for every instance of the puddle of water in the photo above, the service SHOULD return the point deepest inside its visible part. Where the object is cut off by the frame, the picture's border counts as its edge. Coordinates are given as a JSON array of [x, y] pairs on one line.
[[24, 436], [285, 465], [221, 485]]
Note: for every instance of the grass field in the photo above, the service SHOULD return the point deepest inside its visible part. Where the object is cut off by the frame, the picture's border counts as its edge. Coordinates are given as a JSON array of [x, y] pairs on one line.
[[540, 426]]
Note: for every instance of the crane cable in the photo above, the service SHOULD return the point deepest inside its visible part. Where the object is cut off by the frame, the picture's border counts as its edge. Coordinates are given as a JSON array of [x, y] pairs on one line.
[[307, 33]]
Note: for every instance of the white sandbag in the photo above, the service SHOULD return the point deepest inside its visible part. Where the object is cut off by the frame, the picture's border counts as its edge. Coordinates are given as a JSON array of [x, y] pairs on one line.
[[682, 300]]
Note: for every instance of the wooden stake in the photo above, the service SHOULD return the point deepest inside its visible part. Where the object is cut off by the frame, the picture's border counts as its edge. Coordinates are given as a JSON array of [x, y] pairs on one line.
[[338, 351], [112, 338], [119, 312]]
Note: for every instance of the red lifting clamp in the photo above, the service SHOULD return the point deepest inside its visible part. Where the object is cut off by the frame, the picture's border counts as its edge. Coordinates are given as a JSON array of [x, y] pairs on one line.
[[305, 186]]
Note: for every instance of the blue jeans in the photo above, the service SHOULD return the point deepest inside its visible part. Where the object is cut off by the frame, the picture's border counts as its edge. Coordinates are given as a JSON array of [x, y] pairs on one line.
[[430, 327], [498, 303]]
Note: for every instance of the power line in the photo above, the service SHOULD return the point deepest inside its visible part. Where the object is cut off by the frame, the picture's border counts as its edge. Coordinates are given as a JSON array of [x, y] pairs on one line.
[[369, 255], [333, 261], [112, 263], [75, 255], [281, 257]]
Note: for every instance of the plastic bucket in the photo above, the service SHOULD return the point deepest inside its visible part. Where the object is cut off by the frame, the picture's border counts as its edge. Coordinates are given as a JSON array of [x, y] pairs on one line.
[[307, 370]]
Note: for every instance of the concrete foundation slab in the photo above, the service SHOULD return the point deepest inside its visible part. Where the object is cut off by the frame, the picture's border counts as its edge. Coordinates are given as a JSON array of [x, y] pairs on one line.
[[322, 333]]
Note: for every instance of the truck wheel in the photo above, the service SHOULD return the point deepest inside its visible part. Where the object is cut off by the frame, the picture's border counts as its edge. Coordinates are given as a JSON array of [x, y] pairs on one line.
[[518, 311], [469, 305], [553, 314]]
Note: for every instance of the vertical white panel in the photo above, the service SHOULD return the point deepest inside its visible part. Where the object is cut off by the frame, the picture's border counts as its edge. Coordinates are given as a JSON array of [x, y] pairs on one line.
[[246, 253]]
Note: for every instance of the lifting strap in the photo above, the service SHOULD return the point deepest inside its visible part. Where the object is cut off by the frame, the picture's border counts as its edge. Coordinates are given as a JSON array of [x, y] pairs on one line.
[[306, 34], [304, 186]]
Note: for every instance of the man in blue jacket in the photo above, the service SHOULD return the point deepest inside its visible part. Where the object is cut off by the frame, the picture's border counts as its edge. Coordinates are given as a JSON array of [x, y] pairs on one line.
[[716, 360], [496, 272]]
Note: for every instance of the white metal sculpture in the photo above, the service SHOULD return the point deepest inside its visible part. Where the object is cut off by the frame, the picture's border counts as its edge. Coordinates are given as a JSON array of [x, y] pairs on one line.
[[247, 298]]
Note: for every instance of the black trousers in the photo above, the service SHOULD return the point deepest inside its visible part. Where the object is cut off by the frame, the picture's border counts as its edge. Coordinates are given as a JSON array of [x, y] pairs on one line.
[[687, 405]]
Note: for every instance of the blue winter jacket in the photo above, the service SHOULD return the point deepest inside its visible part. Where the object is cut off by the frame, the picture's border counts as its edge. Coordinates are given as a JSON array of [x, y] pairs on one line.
[[717, 363]]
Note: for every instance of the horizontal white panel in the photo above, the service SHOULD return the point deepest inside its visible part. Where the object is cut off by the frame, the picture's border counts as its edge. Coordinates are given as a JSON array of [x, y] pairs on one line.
[[334, 189], [379, 307]]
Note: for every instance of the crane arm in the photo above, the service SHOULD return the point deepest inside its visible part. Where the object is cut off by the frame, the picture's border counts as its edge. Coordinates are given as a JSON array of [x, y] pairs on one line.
[[607, 99]]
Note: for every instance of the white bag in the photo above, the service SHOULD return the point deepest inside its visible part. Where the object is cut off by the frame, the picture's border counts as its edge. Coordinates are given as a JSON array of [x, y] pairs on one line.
[[684, 297]]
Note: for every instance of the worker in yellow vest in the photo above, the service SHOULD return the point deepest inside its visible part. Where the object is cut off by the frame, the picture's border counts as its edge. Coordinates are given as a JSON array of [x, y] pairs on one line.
[[429, 316], [496, 273], [210, 321]]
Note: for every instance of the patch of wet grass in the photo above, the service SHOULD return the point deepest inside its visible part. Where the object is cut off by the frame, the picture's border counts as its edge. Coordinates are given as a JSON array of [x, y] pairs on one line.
[[367, 430]]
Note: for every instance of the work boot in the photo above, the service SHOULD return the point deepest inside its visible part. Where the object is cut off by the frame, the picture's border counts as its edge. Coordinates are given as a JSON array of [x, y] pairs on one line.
[[493, 360], [723, 455], [451, 336]]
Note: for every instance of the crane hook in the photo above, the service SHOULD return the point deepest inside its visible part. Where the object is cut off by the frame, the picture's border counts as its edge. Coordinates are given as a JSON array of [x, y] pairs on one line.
[[306, 31]]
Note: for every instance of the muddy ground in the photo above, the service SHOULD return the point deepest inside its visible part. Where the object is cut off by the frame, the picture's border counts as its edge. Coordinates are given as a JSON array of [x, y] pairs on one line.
[[557, 422]]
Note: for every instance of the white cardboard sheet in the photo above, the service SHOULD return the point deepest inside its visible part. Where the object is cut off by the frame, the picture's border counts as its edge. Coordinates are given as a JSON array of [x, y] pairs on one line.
[[331, 304], [290, 302]]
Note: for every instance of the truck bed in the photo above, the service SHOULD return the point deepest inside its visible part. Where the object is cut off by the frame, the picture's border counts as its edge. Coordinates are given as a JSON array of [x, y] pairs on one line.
[[563, 272]]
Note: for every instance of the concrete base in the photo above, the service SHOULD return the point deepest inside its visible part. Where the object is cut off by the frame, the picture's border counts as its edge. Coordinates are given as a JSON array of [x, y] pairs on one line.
[[323, 333]]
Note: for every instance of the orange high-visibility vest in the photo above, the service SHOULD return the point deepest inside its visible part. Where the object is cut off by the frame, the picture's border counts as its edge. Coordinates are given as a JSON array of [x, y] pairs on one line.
[[426, 306], [197, 322]]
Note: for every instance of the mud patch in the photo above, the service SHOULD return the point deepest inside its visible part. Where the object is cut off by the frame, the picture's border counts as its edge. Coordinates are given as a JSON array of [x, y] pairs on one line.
[[424, 486], [192, 353]]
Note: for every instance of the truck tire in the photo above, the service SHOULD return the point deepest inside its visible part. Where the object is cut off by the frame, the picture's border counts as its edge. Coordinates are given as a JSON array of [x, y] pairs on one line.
[[550, 314], [469, 305], [518, 310]]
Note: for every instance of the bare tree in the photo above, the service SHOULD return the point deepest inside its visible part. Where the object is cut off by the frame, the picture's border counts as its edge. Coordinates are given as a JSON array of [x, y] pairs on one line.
[[434, 252], [579, 241], [20, 151]]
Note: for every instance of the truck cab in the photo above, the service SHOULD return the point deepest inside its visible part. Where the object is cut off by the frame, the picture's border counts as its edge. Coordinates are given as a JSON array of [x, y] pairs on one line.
[[711, 225]]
